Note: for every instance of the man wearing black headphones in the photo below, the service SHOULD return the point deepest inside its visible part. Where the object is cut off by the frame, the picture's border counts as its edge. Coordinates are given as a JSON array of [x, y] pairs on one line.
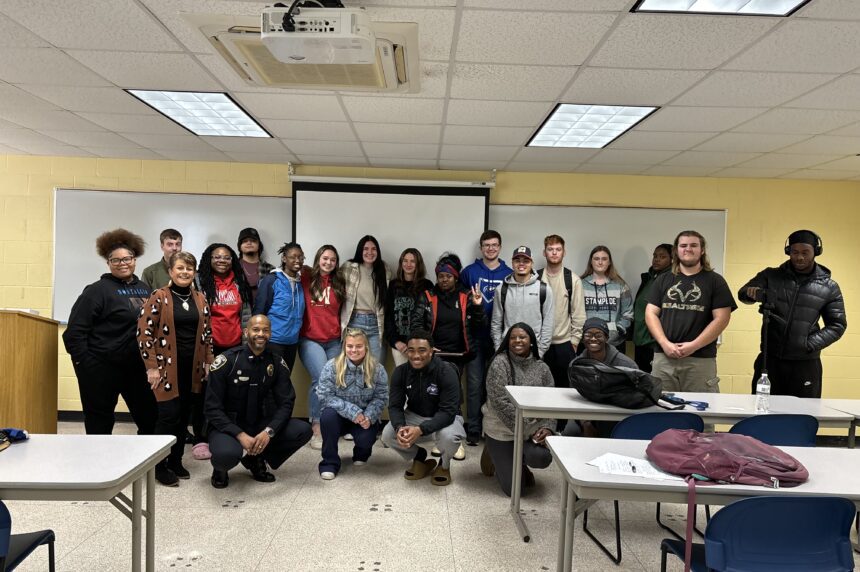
[[798, 294]]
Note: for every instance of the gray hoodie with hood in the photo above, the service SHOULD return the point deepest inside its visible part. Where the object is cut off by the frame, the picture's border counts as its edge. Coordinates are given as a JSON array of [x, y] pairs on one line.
[[522, 304]]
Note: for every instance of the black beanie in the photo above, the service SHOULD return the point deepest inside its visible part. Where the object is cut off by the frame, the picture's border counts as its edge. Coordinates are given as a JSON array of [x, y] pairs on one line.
[[249, 232], [596, 323], [803, 237]]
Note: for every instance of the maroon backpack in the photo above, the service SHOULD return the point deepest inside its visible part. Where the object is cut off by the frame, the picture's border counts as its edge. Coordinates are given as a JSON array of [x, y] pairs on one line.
[[721, 458]]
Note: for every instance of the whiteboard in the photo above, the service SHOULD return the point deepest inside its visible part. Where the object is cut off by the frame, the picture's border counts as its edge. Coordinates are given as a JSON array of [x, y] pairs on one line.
[[433, 220], [630, 233], [80, 216]]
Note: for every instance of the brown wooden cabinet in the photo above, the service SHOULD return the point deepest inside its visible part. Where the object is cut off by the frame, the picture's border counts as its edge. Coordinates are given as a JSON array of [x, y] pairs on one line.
[[28, 372]]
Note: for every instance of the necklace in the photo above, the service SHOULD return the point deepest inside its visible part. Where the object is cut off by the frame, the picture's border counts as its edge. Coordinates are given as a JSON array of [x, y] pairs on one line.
[[184, 300]]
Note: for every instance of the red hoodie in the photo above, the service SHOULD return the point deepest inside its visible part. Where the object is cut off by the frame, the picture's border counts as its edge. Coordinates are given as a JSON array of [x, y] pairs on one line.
[[321, 322], [226, 313]]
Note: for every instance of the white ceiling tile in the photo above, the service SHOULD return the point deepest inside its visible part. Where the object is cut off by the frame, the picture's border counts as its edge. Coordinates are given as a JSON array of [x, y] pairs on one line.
[[845, 164], [297, 129], [122, 24], [826, 144], [739, 172], [288, 106], [613, 86], [475, 135], [477, 153], [47, 66], [679, 171], [9, 150], [787, 161], [711, 159], [402, 163], [433, 81], [808, 121], [90, 138], [831, 9], [852, 130], [750, 89], [55, 150], [13, 35], [750, 142], [393, 109], [551, 5], [611, 169], [631, 157], [698, 118], [688, 41], [39, 120], [423, 151], [323, 148], [530, 37], [123, 152], [435, 28], [455, 165], [160, 143], [840, 94], [191, 154], [148, 70], [804, 46], [541, 167], [555, 155], [174, 15], [502, 113], [245, 144], [660, 140], [820, 175], [19, 137], [509, 82], [15, 98], [398, 133], [151, 122], [262, 157], [331, 160], [98, 99]]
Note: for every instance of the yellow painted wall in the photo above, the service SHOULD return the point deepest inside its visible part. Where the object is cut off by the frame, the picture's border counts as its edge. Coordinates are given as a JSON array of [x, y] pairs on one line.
[[761, 213]]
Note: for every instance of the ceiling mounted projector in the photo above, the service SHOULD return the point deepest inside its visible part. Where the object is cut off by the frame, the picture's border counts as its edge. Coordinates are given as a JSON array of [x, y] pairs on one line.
[[319, 35]]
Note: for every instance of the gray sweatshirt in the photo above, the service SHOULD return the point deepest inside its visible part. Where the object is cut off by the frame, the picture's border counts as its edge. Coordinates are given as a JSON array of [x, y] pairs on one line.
[[522, 304]]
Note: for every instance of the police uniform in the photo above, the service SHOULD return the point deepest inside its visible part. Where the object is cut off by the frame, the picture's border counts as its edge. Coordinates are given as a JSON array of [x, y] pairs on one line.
[[249, 393]]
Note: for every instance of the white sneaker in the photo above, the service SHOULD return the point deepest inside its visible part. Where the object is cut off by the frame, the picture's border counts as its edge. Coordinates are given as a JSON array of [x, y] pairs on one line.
[[436, 452], [327, 476], [460, 454], [359, 463], [316, 442], [348, 437]]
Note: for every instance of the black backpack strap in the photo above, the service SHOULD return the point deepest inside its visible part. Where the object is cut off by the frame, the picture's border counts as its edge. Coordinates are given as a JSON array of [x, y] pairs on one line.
[[542, 299], [502, 297], [568, 285]]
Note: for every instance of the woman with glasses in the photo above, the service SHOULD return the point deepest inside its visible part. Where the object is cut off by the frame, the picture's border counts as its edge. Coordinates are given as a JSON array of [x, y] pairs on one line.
[[607, 295], [319, 338], [404, 292], [100, 337], [352, 391], [175, 342], [516, 363], [280, 297], [366, 278], [222, 281]]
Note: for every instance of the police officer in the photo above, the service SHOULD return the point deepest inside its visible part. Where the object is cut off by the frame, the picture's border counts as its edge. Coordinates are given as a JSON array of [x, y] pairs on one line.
[[248, 405]]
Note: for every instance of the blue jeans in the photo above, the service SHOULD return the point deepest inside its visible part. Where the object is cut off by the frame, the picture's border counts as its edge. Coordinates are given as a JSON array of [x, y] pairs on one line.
[[476, 371], [332, 426], [314, 356], [368, 323]]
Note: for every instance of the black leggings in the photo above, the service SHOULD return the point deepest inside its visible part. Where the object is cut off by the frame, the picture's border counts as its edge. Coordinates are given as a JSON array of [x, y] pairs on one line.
[[173, 414], [101, 383], [502, 453]]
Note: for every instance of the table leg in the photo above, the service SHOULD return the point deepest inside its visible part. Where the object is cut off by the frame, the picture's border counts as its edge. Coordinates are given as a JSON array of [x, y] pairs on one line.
[[852, 430], [562, 527], [136, 513], [516, 485], [150, 520], [569, 510]]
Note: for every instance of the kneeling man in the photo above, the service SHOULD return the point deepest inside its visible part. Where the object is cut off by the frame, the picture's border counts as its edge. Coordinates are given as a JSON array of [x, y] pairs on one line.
[[243, 383], [424, 404]]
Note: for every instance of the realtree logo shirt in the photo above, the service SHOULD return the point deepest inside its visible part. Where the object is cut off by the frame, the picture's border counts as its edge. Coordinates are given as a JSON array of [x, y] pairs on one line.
[[686, 304]]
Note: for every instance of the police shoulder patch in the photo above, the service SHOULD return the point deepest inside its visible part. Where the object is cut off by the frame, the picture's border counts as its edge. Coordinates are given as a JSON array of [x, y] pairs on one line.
[[219, 362]]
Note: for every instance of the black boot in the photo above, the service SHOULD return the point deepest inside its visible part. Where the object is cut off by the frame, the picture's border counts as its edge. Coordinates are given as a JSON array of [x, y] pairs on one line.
[[219, 479], [165, 476], [257, 465]]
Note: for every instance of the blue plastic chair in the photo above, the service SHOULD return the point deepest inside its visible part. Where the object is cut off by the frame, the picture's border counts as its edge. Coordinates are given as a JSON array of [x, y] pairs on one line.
[[779, 429], [15, 548], [642, 427], [773, 533]]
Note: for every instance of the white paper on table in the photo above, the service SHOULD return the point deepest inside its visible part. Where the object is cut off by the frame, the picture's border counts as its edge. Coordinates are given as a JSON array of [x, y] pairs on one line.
[[614, 464]]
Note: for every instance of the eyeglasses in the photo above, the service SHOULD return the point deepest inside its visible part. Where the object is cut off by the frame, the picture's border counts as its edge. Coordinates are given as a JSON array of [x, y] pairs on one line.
[[598, 336], [491, 246], [121, 261], [227, 258]]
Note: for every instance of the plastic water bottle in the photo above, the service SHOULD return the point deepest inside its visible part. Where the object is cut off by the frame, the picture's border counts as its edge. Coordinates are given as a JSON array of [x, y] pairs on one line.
[[762, 394]]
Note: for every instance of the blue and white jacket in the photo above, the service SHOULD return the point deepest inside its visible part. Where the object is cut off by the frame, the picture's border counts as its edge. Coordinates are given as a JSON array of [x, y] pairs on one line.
[[281, 299], [356, 397]]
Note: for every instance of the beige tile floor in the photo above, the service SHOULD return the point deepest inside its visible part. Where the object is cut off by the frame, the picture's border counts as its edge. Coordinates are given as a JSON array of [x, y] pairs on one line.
[[369, 519]]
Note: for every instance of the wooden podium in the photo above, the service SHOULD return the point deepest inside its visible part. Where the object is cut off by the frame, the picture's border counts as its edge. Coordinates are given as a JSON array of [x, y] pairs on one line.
[[28, 372]]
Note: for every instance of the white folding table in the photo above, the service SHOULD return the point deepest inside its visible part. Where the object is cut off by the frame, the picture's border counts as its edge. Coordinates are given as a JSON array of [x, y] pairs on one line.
[[832, 472], [851, 406], [723, 408], [92, 468]]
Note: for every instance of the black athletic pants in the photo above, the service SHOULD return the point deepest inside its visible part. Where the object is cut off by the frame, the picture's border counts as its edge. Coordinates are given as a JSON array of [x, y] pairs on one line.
[[101, 383], [800, 378], [172, 415]]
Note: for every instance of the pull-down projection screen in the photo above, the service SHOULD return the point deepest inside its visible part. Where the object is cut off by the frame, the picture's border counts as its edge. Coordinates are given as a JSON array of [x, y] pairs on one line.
[[433, 219]]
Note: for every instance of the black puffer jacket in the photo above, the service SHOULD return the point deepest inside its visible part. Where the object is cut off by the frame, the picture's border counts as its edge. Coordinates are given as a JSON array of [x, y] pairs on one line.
[[798, 301]]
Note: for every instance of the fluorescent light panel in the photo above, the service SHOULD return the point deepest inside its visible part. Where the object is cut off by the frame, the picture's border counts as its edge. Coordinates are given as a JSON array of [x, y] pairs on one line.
[[202, 113], [587, 126], [741, 7]]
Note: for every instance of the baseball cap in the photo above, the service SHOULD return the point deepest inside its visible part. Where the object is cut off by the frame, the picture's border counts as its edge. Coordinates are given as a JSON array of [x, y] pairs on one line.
[[522, 251]]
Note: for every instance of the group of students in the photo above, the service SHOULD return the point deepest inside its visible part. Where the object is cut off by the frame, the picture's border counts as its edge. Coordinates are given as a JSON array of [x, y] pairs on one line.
[[155, 341]]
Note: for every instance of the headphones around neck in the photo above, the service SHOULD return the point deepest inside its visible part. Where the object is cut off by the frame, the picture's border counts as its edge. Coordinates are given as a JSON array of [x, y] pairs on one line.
[[817, 249]]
